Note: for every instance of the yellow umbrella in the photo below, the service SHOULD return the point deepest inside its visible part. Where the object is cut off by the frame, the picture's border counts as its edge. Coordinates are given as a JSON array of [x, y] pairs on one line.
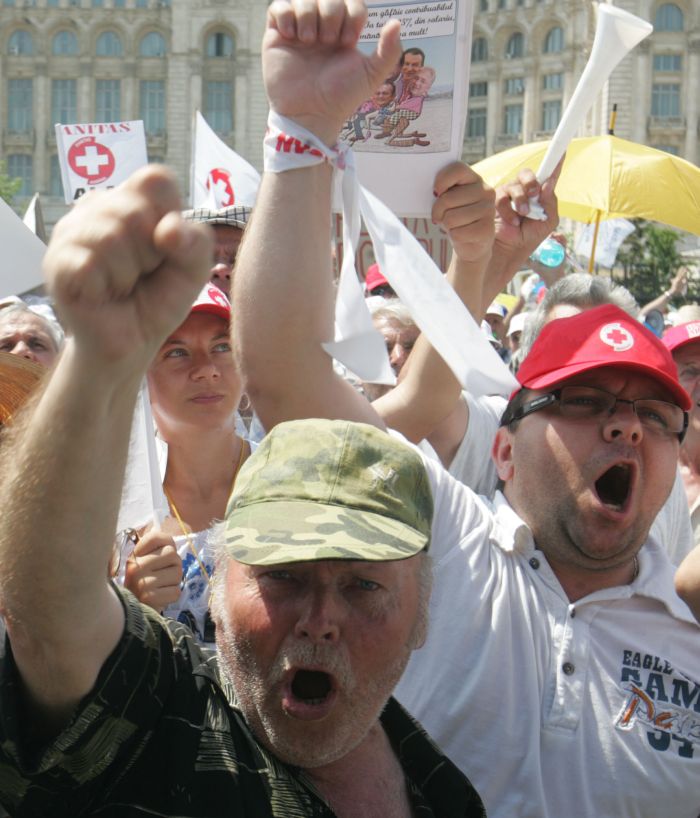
[[605, 177]]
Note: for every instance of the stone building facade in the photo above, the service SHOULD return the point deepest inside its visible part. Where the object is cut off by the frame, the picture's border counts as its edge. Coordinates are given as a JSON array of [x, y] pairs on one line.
[[527, 56], [160, 60], [110, 60]]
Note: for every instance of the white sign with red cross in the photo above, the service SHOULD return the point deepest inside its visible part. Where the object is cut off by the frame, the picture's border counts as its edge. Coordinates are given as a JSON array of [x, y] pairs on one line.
[[617, 337], [99, 155], [220, 177]]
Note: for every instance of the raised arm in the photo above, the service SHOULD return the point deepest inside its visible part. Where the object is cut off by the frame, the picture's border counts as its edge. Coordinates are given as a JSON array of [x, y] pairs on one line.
[[489, 244], [123, 269], [283, 291], [688, 581]]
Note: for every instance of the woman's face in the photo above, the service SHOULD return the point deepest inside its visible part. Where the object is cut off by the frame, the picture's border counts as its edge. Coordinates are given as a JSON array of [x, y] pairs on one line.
[[193, 380]]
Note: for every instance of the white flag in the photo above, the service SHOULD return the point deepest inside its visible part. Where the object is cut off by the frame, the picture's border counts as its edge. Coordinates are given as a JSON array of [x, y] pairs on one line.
[[34, 218], [22, 253], [220, 177], [611, 234], [99, 155]]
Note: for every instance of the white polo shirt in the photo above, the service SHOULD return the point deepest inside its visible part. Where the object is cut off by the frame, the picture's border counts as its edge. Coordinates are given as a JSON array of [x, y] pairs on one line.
[[555, 709]]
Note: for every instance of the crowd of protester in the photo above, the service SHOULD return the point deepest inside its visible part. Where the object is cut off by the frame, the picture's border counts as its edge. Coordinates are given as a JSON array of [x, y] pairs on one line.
[[519, 572]]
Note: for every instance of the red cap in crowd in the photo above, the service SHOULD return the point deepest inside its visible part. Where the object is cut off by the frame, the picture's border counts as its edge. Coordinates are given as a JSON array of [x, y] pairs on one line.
[[681, 335], [374, 278], [212, 300], [603, 336]]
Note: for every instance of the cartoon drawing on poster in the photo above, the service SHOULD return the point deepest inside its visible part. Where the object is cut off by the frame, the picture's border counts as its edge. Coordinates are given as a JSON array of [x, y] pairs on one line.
[[411, 111]]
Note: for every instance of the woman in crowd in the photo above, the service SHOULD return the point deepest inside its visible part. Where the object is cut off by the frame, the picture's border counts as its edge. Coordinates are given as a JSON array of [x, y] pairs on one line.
[[195, 391]]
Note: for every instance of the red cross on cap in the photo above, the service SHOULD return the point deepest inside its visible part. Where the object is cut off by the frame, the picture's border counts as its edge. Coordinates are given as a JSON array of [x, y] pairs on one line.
[[617, 337], [217, 296]]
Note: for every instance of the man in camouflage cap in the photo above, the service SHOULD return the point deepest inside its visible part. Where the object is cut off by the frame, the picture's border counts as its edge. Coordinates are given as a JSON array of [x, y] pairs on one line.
[[320, 596]]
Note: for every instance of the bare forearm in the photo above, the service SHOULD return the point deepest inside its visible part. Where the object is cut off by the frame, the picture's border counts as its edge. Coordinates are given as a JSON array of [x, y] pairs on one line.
[[688, 581], [284, 303], [428, 391], [59, 491]]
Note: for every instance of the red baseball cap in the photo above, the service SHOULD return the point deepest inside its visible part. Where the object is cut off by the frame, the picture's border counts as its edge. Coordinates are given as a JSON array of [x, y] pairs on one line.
[[374, 278], [212, 300], [681, 335], [602, 336]]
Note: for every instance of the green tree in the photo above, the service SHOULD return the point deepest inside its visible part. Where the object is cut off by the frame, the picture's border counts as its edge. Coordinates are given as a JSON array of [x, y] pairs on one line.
[[649, 258], [9, 187]]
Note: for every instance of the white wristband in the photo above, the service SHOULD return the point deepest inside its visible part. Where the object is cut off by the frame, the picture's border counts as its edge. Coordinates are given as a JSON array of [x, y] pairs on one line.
[[288, 145]]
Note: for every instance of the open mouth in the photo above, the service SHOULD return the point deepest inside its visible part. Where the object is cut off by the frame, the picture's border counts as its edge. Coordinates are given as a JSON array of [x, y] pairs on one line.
[[613, 486], [311, 686]]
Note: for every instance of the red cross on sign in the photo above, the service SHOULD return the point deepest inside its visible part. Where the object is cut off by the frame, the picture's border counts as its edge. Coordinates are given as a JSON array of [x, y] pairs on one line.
[[617, 337], [91, 160], [219, 182]]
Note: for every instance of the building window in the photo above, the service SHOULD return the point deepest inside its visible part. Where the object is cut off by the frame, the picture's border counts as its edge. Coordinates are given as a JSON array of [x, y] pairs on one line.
[[218, 106], [516, 46], [513, 120], [141, 4], [480, 50], [19, 166], [553, 82], [109, 45], [107, 101], [20, 43], [8, 2], [52, 3], [554, 41], [64, 43], [478, 89], [152, 45], [476, 123], [219, 44], [514, 86], [665, 100], [118, 4], [668, 18], [55, 181], [501, 4], [153, 106], [551, 114], [97, 3], [484, 5], [667, 62], [19, 106], [64, 105]]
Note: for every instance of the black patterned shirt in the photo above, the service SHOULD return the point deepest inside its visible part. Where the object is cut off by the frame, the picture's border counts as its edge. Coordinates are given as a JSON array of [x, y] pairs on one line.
[[161, 735]]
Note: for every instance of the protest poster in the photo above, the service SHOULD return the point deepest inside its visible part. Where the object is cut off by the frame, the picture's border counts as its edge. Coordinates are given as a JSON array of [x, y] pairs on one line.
[[413, 124], [22, 254], [220, 176], [99, 155], [611, 234]]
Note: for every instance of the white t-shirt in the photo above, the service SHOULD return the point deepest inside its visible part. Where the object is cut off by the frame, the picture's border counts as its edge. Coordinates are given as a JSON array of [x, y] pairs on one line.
[[548, 706], [472, 463]]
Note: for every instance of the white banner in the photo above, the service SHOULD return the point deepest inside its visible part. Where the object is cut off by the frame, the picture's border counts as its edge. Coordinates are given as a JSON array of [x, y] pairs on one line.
[[220, 177], [99, 155], [22, 253], [611, 234]]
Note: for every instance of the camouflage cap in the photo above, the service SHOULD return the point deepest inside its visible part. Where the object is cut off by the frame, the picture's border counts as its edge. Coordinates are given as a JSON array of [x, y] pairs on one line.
[[329, 489]]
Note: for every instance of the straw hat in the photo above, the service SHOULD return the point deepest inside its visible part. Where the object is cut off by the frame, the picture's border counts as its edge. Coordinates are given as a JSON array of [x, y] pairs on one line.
[[18, 377]]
